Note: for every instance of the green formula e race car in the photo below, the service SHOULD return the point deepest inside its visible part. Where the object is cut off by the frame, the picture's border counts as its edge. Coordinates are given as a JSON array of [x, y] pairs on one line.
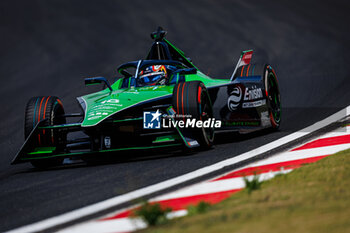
[[160, 102]]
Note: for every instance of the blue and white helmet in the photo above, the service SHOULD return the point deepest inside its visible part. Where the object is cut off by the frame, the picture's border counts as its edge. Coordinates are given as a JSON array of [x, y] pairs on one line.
[[152, 74]]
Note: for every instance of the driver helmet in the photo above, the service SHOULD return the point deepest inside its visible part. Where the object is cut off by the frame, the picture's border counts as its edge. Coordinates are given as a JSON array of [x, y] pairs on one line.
[[152, 74]]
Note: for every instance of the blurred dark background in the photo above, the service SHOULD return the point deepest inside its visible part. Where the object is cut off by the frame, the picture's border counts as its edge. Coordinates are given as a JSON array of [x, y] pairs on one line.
[[49, 47]]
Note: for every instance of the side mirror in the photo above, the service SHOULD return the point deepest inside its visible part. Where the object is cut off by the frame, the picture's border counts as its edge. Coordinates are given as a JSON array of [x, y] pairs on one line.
[[188, 71], [97, 80]]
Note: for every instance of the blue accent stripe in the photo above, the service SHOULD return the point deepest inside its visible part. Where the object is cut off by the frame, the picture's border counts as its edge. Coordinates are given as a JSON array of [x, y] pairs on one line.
[[36, 103], [253, 70], [250, 78]]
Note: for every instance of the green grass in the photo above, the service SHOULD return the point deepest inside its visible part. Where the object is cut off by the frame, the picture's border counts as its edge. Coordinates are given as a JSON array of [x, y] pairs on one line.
[[152, 214], [200, 208], [253, 184], [313, 198]]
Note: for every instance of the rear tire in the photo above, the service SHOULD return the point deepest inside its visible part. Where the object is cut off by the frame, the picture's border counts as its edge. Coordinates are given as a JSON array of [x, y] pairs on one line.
[[38, 109], [192, 98], [273, 97]]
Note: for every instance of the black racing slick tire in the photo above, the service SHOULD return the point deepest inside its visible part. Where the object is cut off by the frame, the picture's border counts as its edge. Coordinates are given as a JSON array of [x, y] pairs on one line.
[[273, 96], [51, 109], [192, 99]]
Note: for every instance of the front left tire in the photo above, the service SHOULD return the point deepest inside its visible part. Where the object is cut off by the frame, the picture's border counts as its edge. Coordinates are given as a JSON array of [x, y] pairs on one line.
[[51, 109]]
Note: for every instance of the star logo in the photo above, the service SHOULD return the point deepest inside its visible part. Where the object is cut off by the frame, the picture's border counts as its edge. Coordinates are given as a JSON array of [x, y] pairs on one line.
[[155, 115], [151, 120]]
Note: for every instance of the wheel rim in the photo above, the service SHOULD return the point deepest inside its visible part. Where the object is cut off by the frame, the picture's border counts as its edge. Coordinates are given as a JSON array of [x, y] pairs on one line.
[[206, 112], [274, 98]]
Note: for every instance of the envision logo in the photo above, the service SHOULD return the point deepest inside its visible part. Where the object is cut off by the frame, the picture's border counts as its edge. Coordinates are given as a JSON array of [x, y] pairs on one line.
[[235, 98], [254, 93]]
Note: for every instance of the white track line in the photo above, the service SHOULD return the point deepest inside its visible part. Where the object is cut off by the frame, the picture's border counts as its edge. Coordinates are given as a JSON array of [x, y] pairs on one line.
[[94, 208], [338, 132], [217, 186], [117, 225], [299, 154]]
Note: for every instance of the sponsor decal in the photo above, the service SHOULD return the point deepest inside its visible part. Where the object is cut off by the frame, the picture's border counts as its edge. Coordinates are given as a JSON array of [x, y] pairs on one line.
[[131, 91], [242, 123], [114, 101], [110, 104], [93, 117], [246, 57], [171, 111], [234, 98], [193, 143], [96, 115], [253, 93], [151, 120], [107, 142], [265, 119], [254, 104]]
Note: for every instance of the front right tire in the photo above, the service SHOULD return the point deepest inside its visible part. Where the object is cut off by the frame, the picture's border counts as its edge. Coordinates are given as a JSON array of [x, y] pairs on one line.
[[192, 98]]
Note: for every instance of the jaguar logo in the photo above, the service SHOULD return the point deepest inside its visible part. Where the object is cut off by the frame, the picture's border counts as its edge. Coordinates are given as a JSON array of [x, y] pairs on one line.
[[234, 99]]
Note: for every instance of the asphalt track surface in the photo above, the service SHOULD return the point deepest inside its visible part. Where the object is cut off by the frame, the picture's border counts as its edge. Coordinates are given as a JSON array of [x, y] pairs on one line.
[[49, 47]]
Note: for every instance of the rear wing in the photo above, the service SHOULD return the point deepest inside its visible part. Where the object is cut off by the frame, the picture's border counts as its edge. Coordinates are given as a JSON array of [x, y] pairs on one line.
[[244, 59]]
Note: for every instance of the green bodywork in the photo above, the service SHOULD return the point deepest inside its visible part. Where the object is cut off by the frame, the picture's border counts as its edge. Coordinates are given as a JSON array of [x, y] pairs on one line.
[[45, 154], [103, 104]]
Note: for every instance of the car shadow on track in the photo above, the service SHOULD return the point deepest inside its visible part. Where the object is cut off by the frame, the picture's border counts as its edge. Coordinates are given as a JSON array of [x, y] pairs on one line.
[[137, 156], [235, 137]]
